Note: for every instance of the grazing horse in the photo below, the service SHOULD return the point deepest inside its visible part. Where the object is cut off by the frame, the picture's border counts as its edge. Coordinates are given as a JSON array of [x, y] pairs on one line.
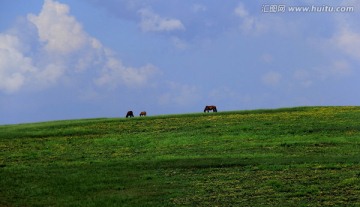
[[210, 108], [143, 113], [129, 114]]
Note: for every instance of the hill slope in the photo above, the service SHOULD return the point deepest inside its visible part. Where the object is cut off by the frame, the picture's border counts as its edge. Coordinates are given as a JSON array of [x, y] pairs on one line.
[[292, 157]]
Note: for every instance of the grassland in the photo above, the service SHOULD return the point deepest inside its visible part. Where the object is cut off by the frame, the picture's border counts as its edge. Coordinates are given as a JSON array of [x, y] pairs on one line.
[[306, 156]]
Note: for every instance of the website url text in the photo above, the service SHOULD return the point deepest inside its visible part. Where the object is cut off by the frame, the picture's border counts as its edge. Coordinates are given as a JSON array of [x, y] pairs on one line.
[[281, 8]]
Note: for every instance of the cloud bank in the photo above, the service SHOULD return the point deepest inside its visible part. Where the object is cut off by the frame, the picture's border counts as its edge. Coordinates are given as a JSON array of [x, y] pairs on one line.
[[152, 22], [60, 48]]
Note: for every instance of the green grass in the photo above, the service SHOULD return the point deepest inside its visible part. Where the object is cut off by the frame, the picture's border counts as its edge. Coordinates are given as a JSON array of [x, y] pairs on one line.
[[305, 156]]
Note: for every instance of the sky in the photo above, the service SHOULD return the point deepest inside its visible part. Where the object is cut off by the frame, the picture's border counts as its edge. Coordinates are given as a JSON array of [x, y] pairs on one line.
[[66, 59]]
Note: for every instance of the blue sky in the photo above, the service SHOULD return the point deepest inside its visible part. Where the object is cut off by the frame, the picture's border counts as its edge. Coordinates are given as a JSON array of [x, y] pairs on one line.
[[62, 59]]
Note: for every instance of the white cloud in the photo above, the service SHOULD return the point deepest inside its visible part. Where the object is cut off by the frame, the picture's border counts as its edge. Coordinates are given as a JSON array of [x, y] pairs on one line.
[[115, 73], [346, 38], [198, 8], [250, 23], [341, 67], [267, 58], [152, 22], [260, 23], [271, 78], [241, 11], [354, 3], [50, 74], [308, 77], [57, 29], [337, 69], [14, 66], [303, 77], [179, 43], [62, 50], [348, 41]]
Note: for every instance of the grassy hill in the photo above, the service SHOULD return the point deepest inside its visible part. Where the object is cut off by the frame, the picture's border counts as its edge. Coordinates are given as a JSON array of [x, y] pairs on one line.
[[306, 156]]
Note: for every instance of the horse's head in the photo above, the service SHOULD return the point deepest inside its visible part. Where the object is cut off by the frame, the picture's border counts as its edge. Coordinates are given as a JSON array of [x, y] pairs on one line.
[[129, 114]]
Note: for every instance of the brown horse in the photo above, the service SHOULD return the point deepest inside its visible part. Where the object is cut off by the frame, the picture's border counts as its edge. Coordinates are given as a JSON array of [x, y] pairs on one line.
[[129, 114], [210, 108], [143, 113]]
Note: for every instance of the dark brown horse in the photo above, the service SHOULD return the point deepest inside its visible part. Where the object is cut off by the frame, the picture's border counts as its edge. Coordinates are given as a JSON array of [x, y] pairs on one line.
[[210, 108], [129, 114], [143, 113]]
